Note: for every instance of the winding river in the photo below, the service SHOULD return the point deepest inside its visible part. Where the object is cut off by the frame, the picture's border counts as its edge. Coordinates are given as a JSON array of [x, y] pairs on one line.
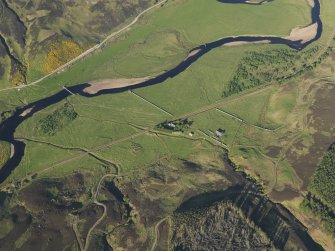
[[8, 127]]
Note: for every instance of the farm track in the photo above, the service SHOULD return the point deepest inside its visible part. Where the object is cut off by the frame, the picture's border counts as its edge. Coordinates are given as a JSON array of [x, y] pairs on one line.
[[325, 47], [76, 233], [99, 148], [95, 200], [84, 150], [156, 237], [220, 103], [10, 124], [145, 130]]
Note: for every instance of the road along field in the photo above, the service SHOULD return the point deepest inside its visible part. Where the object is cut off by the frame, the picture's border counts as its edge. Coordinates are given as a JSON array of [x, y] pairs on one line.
[[12, 123], [266, 127]]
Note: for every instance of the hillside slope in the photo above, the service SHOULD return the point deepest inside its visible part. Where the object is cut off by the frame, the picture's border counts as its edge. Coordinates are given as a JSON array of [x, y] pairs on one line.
[[39, 35]]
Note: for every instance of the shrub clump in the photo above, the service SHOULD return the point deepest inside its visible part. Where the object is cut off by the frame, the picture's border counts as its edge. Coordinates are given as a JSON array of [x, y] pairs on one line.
[[258, 68], [56, 121]]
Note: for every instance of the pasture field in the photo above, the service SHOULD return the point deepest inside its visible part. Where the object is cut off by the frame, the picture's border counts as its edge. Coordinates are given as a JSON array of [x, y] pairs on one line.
[[178, 35], [33, 160], [201, 84], [250, 113], [124, 115], [158, 32], [4, 152], [144, 150], [113, 118], [274, 132]]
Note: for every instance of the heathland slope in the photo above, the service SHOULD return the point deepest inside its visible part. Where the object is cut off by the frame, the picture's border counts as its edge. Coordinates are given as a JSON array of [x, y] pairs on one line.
[[39, 36]]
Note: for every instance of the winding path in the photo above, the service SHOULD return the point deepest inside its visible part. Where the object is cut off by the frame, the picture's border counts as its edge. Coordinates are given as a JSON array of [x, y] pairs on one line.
[[95, 200], [8, 127], [154, 244]]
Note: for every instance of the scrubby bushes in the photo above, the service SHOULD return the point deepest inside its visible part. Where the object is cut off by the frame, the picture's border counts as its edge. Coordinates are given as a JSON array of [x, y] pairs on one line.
[[18, 75], [177, 125], [54, 122], [258, 68], [5, 115]]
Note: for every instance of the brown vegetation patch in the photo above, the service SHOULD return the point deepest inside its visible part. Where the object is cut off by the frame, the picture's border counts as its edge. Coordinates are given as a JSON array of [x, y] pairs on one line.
[[163, 236], [22, 221], [332, 55], [11, 26], [88, 217], [156, 191], [322, 119], [247, 209], [18, 74], [4, 153], [219, 227], [50, 203], [287, 194], [273, 151], [118, 211]]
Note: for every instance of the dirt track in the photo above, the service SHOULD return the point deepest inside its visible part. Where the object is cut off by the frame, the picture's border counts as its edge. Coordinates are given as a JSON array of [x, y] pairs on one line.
[[95, 199]]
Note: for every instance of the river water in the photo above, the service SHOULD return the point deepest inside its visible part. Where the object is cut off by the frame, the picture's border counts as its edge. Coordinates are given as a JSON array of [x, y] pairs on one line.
[[8, 127]]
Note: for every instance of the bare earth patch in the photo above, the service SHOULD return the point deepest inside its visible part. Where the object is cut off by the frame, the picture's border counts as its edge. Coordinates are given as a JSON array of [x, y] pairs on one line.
[[26, 112], [12, 150], [311, 3], [193, 53], [304, 34], [97, 86], [244, 42]]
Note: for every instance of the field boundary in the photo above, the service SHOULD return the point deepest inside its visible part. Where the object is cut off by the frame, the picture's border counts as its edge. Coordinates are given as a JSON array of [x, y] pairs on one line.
[[151, 103]]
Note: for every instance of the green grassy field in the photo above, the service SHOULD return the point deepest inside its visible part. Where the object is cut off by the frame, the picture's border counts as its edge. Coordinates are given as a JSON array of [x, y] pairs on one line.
[[269, 131], [4, 152], [250, 113], [176, 36], [159, 42], [160, 30], [125, 114], [202, 84]]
